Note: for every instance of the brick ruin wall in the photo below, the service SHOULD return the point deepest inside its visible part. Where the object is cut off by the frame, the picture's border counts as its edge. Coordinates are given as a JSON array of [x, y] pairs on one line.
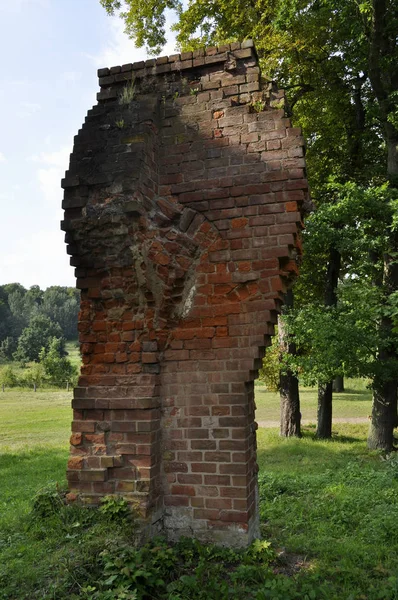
[[182, 212]]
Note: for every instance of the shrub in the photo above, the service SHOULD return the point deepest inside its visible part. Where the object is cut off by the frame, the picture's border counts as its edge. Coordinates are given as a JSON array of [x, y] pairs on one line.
[[34, 376], [8, 377], [57, 368], [269, 373]]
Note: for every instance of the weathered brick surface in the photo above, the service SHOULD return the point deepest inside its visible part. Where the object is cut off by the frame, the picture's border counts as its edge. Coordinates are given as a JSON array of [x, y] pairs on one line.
[[182, 213]]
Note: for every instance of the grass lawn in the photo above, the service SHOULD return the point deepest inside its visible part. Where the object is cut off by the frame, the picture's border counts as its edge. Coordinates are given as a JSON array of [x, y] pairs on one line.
[[34, 435], [329, 509], [355, 402]]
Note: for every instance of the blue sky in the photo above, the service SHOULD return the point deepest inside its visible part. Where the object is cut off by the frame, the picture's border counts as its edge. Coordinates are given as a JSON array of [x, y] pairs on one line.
[[50, 50]]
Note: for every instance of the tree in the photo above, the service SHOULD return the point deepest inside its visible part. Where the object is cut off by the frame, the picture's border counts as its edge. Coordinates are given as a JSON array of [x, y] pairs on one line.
[[36, 336], [57, 368], [61, 304]]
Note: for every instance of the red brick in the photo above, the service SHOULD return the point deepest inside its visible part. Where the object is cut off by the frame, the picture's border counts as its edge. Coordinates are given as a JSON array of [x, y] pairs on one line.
[[220, 503], [218, 456], [183, 490], [84, 426], [176, 501], [75, 462], [190, 479], [203, 467]]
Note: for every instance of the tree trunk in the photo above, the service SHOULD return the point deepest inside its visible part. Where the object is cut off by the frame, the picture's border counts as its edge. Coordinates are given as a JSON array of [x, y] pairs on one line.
[[338, 384], [290, 405], [325, 390], [289, 387], [384, 416], [325, 395], [384, 407]]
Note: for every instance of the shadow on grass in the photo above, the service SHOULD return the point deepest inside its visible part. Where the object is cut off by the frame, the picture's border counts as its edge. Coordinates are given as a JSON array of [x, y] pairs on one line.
[[353, 396]]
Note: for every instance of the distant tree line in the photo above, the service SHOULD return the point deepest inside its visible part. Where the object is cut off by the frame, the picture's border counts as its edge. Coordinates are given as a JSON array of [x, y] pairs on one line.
[[34, 325]]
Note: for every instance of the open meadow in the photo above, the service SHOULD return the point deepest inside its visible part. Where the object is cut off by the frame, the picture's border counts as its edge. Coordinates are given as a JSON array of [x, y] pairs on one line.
[[328, 515]]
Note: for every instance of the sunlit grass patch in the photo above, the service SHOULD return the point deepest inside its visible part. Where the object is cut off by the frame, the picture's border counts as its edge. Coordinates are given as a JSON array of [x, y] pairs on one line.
[[355, 402]]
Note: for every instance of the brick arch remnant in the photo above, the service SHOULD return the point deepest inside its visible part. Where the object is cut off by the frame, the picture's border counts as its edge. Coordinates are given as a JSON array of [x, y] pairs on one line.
[[182, 214]]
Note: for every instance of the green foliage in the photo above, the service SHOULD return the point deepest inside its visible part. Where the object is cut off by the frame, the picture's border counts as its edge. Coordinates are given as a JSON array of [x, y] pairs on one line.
[[57, 368], [183, 571], [344, 339], [144, 21], [61, 305], [8, 377], [18, 306], [34, 376], [269, 372], [341, 340], [47, 502], [258, 106], [115, 508], [7, 348], [37, 335], [355, 220]]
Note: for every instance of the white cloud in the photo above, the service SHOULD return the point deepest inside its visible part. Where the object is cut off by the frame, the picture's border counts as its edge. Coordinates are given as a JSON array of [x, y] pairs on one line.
[[2, 157]]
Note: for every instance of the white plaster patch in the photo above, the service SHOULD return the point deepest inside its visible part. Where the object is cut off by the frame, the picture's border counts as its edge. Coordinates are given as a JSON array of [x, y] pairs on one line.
[[188, 301]]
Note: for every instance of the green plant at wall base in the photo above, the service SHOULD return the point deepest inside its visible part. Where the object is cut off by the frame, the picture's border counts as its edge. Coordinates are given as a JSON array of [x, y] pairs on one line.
[[115, 508], [119, 123], [128, 93]]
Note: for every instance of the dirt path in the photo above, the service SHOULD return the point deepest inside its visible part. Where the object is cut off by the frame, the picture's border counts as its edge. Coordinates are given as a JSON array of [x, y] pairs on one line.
[[309, 421]]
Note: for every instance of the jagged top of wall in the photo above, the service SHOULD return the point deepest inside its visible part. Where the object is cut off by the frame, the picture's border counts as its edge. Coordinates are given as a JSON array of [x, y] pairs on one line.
[[174, 63]]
